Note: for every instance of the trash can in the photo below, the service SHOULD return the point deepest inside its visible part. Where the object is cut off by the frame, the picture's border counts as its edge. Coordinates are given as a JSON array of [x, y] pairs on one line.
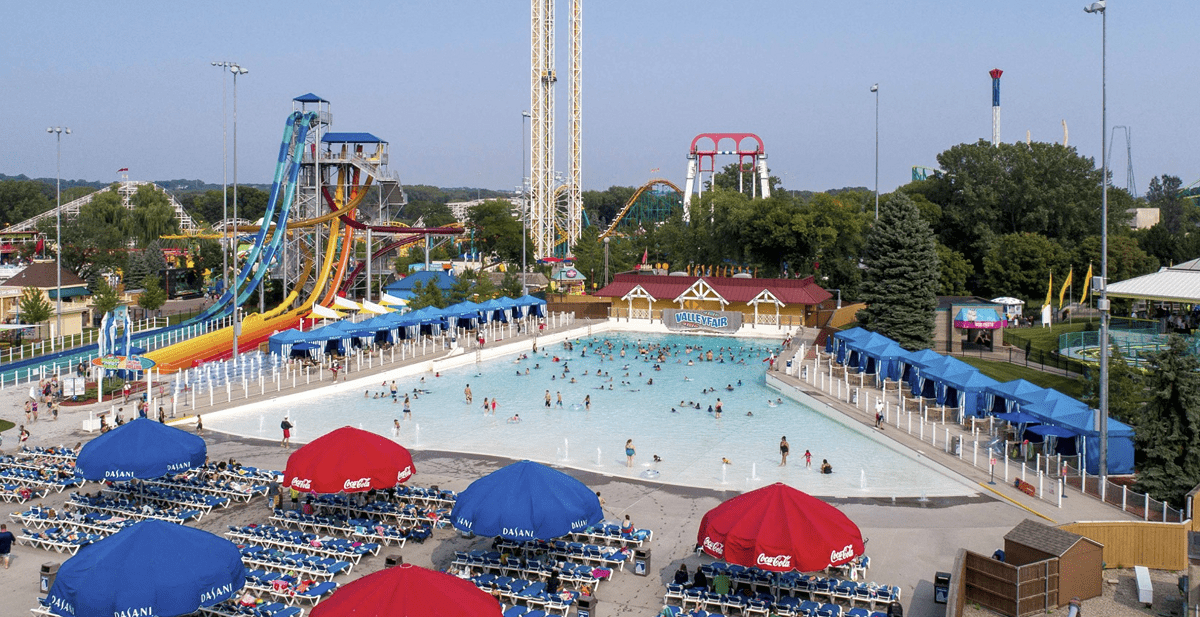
[[895, 609], [941, 587], [49, 571], [955, 445], [854, 396], [804, 371], [641, 562], [393, 560], [585, 606]]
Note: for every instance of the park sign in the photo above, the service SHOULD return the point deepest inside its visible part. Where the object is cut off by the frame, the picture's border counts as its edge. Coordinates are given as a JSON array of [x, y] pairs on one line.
[[123, 363], [686, 320]]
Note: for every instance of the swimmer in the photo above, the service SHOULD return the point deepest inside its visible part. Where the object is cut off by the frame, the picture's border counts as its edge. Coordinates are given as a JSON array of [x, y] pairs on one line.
[[657, 458], [749, 413], [725, 461], [516, 419], [686, 378], [673, 410], [367, 394]]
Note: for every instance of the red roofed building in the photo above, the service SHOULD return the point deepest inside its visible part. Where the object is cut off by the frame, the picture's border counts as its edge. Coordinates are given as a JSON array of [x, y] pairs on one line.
[[762, 301]]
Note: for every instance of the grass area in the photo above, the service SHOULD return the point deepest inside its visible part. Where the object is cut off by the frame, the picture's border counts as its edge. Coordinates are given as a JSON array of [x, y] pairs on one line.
[[5, 425], [1044, 339], [1005, 371]]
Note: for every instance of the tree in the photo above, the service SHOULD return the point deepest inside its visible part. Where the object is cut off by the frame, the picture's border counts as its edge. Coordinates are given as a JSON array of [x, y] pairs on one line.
[[733, 178], [105, 298], [497, 230], [1170, 424], [1126, 390], [511, 285], [152, 216], [1125, 258], [94, 241], [1174, 213], [23, 199], [153, 295], [1020, 264], [35, 308], [426, 295], [460, 291], [902, 275], [955, 271], [428, 213], [483, 289]]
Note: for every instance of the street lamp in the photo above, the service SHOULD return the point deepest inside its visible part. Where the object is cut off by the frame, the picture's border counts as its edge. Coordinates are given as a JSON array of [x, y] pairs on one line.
[[875, 89], [224, 64], [1102, 302], [606, 239], [524, 204], [58, 133], [237, 323]]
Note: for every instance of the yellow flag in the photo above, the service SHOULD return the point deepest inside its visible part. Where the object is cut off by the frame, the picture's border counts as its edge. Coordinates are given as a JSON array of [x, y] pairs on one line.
[[1066, 285], [1049, 291], [1087, 282]]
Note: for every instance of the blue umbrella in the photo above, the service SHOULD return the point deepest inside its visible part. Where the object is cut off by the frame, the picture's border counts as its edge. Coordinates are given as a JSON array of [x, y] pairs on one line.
[[305, 346], [526, 501], [142, 449], [149, 568]]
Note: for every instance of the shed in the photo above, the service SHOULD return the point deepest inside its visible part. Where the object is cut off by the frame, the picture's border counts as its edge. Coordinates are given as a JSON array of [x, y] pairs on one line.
[[1080, 559]]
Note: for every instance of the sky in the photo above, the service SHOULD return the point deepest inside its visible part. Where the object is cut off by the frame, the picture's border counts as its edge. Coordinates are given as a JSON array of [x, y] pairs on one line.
[[445, 84]]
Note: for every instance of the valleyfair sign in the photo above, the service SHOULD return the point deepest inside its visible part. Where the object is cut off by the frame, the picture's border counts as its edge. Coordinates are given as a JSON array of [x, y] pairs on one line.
[[725, 322]]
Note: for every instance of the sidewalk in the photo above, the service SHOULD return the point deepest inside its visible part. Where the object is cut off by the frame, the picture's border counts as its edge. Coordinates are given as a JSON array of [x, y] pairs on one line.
[[1074, 505]]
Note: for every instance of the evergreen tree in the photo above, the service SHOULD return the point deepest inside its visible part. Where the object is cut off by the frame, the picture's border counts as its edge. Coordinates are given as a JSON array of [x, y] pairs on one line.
[[902, 275], [35, 308], [511, 285], [106, 298], [1170, 427], [461, 290], [483, 289], [153, 295], [1126, 390]]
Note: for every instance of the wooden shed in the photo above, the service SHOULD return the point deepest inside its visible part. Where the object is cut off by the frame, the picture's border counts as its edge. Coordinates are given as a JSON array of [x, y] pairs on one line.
[[1080, 559]]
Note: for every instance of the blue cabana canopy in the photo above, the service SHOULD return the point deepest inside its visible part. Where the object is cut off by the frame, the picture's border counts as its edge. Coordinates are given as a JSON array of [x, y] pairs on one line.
[[912, 363], [532, 305], [933, 378], [838, 344], [1049, 430], [493, 310], [278, 342], [972, 391], [1007, 396]]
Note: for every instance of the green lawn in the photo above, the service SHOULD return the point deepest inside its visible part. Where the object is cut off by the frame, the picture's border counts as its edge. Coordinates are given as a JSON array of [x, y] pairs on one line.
[[5, 425], [1045, 339], [1005, 371]]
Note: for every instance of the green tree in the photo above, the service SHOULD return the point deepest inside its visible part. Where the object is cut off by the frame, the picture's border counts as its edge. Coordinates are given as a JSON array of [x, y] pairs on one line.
[[510, 285], [153, 295], [603, 206], [734, 178], [1125, 258], [105, 298], [497, 231], [1169, 429], [35, 308], [152, 216], [1175, 214], [95, 240], [902, 275], [1126, 390], [837, 227], [428, 213], [483, 289], [1020, 264], [206, 256], [23, 199], [427, 295], [955, 271]]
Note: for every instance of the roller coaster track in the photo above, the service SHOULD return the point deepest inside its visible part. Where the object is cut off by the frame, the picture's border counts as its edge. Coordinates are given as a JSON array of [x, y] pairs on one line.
[[612, 227]]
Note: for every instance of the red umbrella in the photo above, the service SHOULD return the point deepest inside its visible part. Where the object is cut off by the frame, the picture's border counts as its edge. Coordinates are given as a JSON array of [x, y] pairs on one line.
[[348, 460], [780, 529], [408, 591]]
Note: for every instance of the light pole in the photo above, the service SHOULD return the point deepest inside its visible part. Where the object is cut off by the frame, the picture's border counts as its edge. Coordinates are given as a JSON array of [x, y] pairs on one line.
[[237, 322], [524, 205], [222, 65], [58, 133], [1102, 302], [875, 89], [606, 239]]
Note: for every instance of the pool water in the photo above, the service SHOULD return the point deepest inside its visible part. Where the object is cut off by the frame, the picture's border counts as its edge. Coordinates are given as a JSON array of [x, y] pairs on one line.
[[691, 443]]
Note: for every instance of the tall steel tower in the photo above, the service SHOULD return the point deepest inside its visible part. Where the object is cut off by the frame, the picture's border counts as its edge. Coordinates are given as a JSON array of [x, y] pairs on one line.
[[555, 210], [995, 73]]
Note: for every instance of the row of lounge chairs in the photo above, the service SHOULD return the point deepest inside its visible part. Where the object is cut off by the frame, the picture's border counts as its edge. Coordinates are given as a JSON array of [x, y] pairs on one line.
[[39, 517], [131, 509], [288, 589], [815, 610], [59, 452], [610, 533], [530, 594], [575, 574], [143, 493], [48, 478], [20, 493], [293, 563], [361, 529], [335, 505], [299, 541], [604, 556], [57, 539], [235, 608], [430, 497], [219, 486]]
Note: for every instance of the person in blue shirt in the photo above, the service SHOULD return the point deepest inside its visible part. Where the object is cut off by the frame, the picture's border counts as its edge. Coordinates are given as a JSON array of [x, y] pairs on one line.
[[6, 542]]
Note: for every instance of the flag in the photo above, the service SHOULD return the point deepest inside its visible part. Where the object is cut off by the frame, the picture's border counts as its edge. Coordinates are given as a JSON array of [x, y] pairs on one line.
[[1087, 282], [654, 171], [1049, 291], [1066, 285], [122, 169], [645, 256]]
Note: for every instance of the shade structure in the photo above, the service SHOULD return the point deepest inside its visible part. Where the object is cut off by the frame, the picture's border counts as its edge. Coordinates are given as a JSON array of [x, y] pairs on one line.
[[408, 591], [780, 529], [141, 449], [348, 460], [149, 568], [526, 501]]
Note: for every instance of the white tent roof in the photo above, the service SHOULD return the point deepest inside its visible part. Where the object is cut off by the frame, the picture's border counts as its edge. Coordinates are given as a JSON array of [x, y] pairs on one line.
[[1179, 283]]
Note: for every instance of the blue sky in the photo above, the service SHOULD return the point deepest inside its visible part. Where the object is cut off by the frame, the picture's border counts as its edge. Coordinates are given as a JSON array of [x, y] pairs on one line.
[[445, 83]]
